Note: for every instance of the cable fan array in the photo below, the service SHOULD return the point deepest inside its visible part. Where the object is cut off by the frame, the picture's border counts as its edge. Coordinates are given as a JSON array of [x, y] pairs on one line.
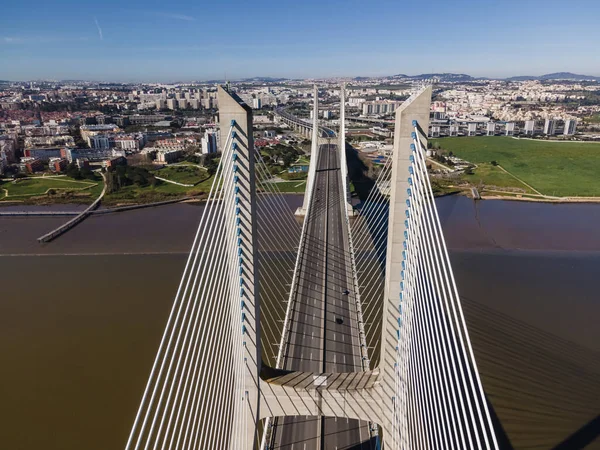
[[195, 396], [369, 236], [440, 401]]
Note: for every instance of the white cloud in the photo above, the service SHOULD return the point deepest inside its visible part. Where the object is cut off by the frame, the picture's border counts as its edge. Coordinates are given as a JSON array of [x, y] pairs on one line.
[[99, 29]]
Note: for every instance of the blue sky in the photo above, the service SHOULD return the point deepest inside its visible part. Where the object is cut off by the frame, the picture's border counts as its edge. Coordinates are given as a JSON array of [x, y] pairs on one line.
[[195, 40]]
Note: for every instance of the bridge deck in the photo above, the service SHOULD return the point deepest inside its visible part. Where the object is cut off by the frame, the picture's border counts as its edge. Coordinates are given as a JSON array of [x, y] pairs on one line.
[[323, 334]]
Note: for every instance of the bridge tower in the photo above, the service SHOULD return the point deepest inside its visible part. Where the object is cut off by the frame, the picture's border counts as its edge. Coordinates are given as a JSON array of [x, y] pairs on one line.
[[342, 146], [235, 115], [314, 155]]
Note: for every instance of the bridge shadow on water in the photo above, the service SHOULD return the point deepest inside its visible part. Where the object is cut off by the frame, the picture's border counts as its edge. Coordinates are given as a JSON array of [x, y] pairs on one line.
[[543, 390], [374, 212]]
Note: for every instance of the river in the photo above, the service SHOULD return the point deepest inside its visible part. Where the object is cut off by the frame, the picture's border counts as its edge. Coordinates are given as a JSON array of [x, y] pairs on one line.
[[81, 317]]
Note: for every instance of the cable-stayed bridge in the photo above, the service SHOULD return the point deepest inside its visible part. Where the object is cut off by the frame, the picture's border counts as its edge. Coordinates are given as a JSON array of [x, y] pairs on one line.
[[342, 331]]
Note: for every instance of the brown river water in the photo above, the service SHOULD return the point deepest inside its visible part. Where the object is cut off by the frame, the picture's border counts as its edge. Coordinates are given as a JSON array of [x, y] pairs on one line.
[[81, 317]]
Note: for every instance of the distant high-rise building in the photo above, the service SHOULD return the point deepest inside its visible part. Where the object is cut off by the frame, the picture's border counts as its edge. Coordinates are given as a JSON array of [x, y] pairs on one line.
[[472, 129], [161, 104], [570, 127], [549, 127], [182, 103], [256, 103], [209, 142], [379, 107], [195, 103], [529, 127], [509, 128], [172, 103], [491, 128]]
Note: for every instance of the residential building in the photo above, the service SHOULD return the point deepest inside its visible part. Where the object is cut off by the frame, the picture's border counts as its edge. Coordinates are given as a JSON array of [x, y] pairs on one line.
[[570, 127], [101, 141], [147, 119], [43, 154], [472, 129], [209, 142], [57, 164], [8, 148], [379, 107], [529, 127], [510, 129], [92, 130], [31, 165], [549, 127], [168, 157]]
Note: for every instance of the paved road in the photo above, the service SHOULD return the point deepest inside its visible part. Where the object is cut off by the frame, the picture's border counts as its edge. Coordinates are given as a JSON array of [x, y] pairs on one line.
[[324, 333]]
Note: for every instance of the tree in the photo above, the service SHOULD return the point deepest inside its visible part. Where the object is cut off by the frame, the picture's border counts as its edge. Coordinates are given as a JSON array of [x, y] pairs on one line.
[[494, 163], [73, 172]]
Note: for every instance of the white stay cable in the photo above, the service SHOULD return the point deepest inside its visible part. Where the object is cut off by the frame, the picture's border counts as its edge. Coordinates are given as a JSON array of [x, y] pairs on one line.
[[456, 306], [173, 318]]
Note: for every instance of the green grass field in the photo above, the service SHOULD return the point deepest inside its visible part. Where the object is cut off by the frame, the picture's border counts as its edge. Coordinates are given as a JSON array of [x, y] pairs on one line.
[[37, 186], [553, 168], [160, 192], [292, 186], [186, 174]]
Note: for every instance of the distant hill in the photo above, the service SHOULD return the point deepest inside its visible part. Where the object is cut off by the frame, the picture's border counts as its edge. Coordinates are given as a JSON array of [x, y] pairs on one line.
[[444, 77], [265, 79], [555, 76]]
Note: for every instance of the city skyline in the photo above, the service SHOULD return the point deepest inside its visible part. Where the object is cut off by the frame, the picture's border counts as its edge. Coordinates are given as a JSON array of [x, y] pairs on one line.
[[309, 40]]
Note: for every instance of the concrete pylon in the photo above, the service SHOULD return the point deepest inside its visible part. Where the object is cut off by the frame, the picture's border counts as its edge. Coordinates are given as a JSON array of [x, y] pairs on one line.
[[233, 112], [342, 147], [416, 108], [314, 153]]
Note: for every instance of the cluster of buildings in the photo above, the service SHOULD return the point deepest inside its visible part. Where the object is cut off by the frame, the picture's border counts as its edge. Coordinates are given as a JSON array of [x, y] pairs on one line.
[[486, 127], [379, 107], [174, 98], [51, 146]]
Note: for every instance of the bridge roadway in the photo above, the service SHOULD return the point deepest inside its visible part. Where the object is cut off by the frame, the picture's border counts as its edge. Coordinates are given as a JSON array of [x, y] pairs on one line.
[[323, 334]]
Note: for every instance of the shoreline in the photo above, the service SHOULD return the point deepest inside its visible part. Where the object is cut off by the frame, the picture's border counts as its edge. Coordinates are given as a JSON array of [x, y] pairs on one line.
[[122, 207], [119, 207], [521, 197], [559, 200]]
